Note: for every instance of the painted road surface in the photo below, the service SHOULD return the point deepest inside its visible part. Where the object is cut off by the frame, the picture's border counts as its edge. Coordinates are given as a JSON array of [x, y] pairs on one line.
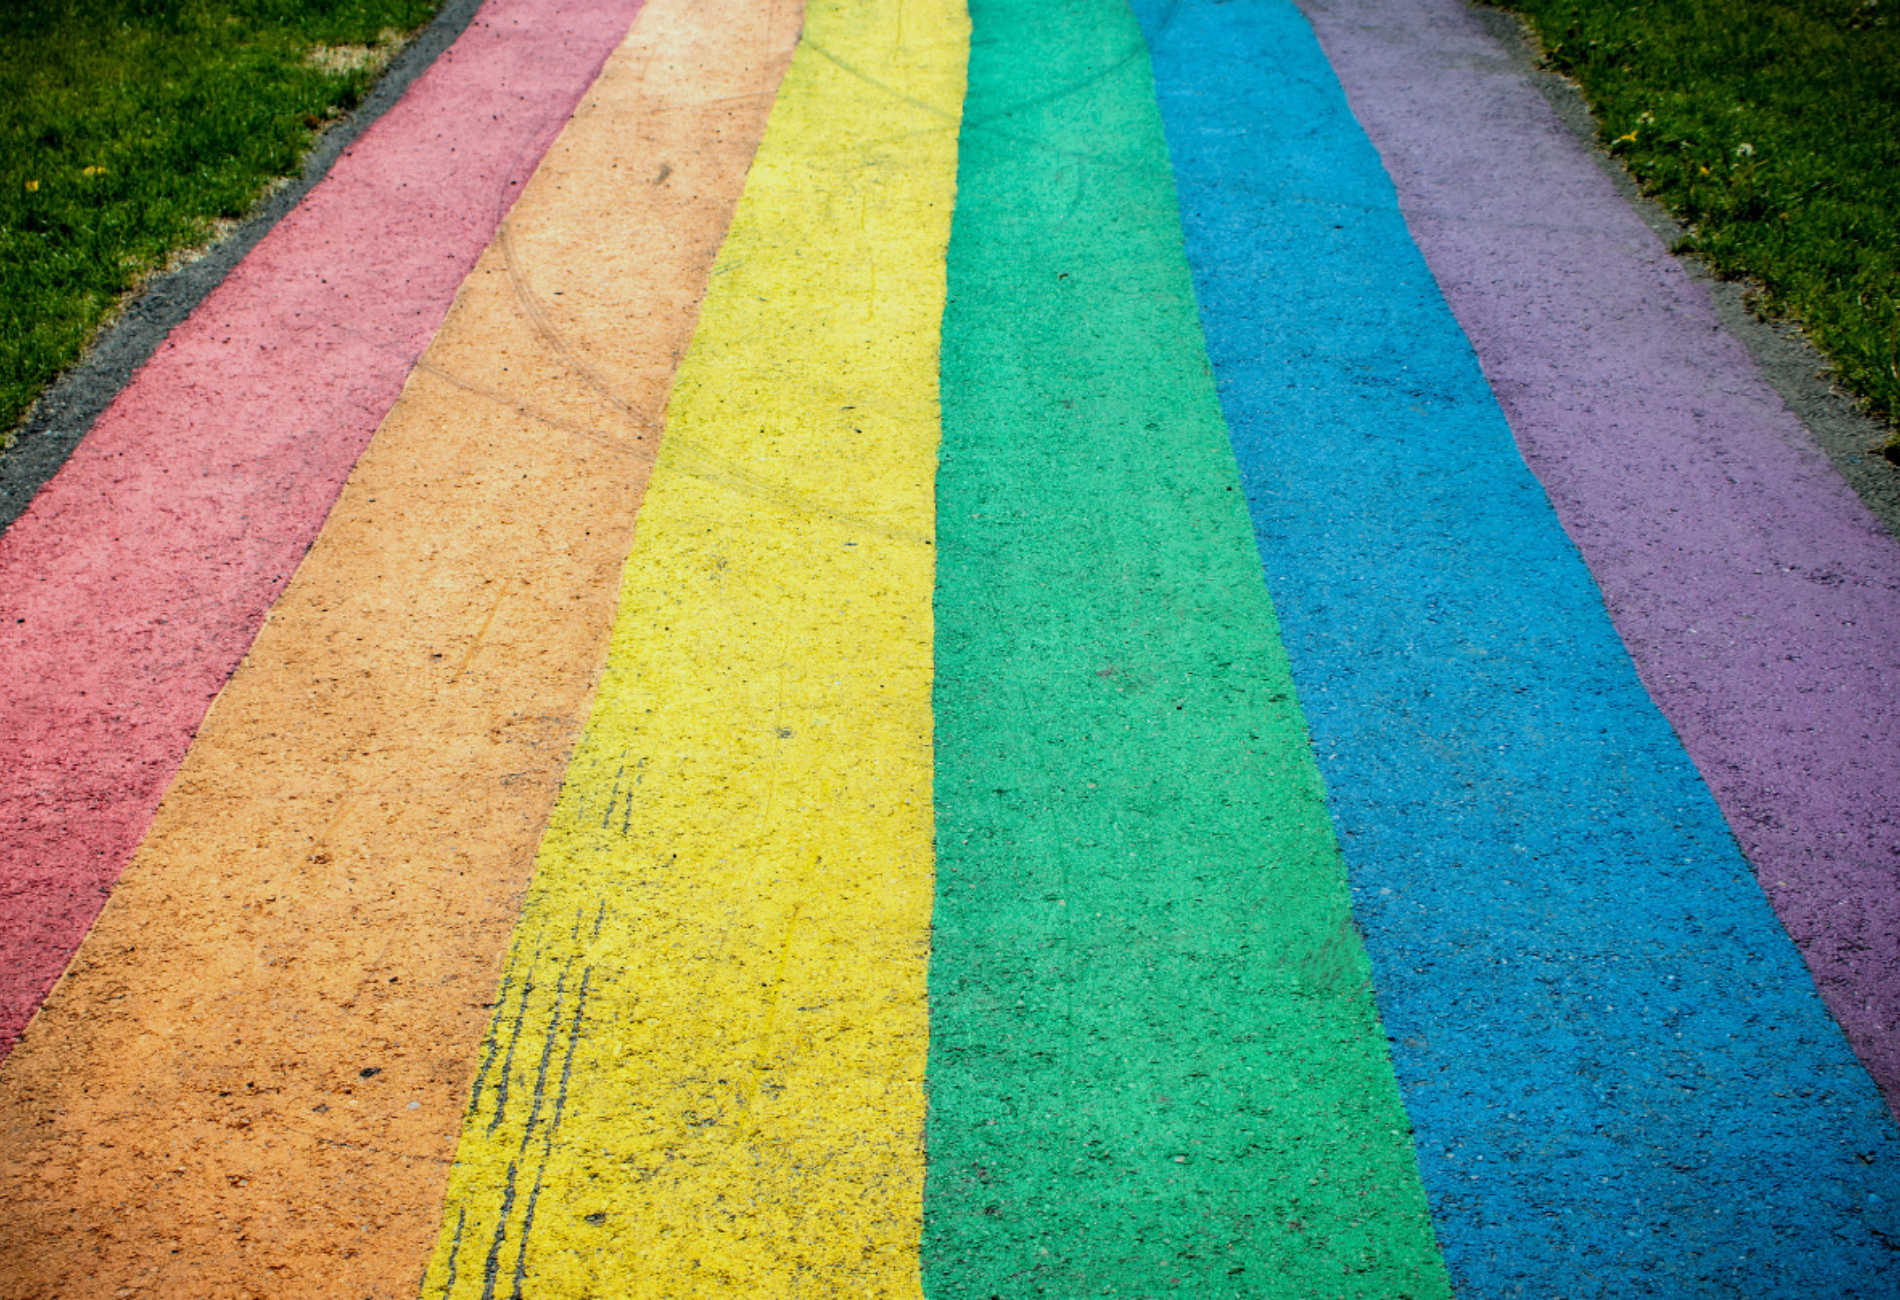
[[1153, 1044], [1099, 771], [705, 1073], [135, 581], [1759, 598], [251, 1079], [1544, 882]]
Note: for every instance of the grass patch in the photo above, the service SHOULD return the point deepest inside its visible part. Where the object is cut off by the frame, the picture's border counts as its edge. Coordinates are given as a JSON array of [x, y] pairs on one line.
[[1772, 130], [133, 130]]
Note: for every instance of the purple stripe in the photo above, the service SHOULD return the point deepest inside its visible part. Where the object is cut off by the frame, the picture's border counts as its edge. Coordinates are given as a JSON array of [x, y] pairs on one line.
[[1759, 598]]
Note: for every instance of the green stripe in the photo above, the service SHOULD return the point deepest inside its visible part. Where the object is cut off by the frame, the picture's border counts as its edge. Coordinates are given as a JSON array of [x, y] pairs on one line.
[[1155, 1060]]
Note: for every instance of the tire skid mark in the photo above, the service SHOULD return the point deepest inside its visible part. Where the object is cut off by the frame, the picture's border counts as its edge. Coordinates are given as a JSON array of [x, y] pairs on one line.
[[353, 830], [491, 1267], [552, 335], [557, 1029], [745, 1108], [508, 1064], [455, 1248], [702, 462]]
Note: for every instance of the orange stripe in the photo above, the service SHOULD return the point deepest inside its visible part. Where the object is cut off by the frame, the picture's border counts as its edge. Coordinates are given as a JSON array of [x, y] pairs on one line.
[[251, 1078], [708, 1058]]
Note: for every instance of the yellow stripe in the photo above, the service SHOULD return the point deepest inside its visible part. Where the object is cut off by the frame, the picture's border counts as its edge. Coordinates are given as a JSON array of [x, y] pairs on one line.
[[705, 1074]]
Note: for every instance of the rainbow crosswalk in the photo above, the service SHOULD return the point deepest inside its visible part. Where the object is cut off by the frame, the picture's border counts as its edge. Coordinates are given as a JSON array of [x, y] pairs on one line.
[[1109, 775]]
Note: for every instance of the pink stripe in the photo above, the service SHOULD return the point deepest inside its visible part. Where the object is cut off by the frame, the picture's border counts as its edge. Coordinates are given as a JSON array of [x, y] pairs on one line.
[[133, 584]]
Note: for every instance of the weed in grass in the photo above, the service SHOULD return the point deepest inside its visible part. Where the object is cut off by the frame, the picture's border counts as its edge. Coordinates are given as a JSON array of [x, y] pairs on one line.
[[131, 130], [1772, 130]]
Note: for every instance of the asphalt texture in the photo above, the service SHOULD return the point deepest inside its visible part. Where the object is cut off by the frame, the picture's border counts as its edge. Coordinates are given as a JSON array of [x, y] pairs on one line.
[[1148, 1001], [141, 571], [922, 650], [1544, 882], [1757, 595]]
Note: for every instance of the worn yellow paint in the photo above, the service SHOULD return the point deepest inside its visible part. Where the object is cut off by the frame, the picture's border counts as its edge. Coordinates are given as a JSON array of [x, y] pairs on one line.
[[705, 1072]]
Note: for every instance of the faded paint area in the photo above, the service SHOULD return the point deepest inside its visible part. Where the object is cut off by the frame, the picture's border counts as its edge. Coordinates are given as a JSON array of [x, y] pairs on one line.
[[705, 1074], [251, 1079], [136, 580]]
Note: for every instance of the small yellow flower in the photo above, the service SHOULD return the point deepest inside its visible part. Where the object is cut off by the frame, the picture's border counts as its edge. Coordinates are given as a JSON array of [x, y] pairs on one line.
[[92, 171], [31, 186]]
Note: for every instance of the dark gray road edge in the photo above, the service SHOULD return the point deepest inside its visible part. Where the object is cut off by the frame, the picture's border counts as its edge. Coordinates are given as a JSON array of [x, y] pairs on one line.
[[1788, 361], [65, 412]]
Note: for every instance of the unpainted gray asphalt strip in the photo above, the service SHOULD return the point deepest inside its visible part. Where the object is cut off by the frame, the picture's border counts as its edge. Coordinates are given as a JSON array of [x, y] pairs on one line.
[[66, 411]]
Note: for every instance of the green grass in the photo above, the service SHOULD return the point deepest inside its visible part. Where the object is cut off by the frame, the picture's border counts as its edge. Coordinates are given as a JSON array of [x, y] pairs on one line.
[[1773, 131], [130, 128]]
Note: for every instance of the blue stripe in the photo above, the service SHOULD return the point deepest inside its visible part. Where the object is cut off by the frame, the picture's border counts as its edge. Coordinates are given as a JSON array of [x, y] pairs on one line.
[[1620, 1076]]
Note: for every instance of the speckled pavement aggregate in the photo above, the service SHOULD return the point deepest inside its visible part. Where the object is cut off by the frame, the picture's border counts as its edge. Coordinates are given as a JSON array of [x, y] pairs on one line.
[[1166, 671], [1759, 598], [250, 1079], [133, 584], [1544, 883], [719, 973], [1151, 1024]]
